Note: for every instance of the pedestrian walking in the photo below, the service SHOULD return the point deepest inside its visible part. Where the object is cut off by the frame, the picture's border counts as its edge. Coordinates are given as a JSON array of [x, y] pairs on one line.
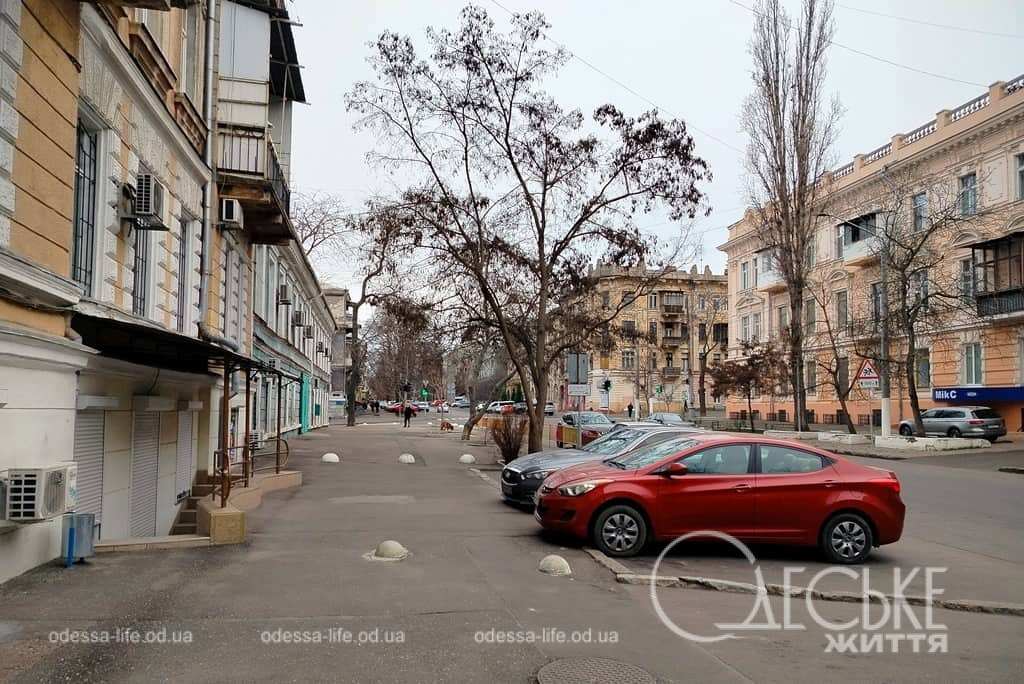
[[407, 413], [629, 410]]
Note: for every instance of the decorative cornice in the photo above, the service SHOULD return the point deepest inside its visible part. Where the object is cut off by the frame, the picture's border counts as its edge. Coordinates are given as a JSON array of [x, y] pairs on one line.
[[23, 277]]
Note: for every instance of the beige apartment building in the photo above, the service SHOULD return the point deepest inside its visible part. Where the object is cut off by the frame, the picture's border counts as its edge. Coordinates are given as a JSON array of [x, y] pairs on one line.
[[963, 169], [127, 271], [654, 347]]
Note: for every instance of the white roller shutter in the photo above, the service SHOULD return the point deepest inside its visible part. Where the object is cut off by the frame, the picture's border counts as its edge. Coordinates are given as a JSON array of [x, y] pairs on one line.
[[185, 464], [145, 454], [89, 456]]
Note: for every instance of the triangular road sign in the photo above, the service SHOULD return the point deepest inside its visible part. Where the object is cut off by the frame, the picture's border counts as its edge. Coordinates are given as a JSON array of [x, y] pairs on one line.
[[867, 371]]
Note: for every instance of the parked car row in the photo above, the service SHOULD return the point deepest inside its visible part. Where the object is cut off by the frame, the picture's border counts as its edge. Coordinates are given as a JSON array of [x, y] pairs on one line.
[[642, 481]]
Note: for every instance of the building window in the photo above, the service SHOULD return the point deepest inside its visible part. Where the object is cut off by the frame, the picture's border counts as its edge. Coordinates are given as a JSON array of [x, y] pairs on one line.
[[811, 255], [720, 333], [627, 299], [1020, 176], [876, 303], [923, 374], [182, 274], [920, 204], [629, 329], [192, 54], [842, 310], [809, 316], [652, 330], [811, 375], [652, 300], [920, 282], [669, 359], [716, 359], [972, 364], [967, 280], [154, 22], [702, 303], [840, 232], [605, 300], [141, 289], [969, 194], [745, 328], [755, 327], [84, 245], [783, 312], [843, 368], [702, 332], [628, 359], [745, 275]]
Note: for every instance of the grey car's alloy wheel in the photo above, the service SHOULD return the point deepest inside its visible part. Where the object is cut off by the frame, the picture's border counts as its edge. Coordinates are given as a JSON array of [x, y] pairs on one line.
[[953, 432], [620, 531], [847, 539], [906, 430]]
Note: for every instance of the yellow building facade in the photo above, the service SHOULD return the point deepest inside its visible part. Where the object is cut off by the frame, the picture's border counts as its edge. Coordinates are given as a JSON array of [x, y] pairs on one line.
[[969, 162]]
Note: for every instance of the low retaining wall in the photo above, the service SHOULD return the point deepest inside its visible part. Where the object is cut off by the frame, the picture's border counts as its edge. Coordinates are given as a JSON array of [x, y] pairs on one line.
[[790, 434], [843, 438], [227, 525], [931, 443]]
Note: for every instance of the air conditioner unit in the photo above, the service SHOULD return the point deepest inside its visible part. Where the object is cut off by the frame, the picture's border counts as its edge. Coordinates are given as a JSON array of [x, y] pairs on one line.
[[255, 440], [231, 214], [35, 494], [272, 363], [283, 295], [149, 203], [320, 348], [309, 332], [298, 319]]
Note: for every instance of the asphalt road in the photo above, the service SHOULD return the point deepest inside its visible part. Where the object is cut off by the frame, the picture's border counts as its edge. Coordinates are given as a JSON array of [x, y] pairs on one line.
[[468, 604]]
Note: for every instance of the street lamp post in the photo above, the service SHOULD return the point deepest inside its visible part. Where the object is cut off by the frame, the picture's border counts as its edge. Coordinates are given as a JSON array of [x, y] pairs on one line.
[[883, 337]]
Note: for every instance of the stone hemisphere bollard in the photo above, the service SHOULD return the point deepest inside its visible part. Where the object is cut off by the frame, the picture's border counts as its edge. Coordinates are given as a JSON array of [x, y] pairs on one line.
[[555, 565], [406, 458], [329, 457], [388, 550], [467, 458]]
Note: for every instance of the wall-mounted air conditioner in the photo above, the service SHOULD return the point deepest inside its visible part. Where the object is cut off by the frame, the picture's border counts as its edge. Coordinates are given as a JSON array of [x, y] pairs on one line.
[[298, 319], [320, 348], [272, 363], [231, 214], [283, 295], [149, 203], [255, 440], [308, 332], [35, 494]]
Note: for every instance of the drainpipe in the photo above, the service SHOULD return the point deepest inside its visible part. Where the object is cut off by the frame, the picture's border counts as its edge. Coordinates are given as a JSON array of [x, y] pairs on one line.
[[206, 272]]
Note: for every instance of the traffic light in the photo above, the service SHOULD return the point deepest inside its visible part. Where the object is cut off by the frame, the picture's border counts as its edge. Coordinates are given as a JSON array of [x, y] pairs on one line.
[[606, 385], [407, 387], [423, 392]]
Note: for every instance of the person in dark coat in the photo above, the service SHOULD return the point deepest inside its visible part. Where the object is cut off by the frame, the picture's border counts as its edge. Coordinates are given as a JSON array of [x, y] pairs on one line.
[[629, 410], [408, 412]]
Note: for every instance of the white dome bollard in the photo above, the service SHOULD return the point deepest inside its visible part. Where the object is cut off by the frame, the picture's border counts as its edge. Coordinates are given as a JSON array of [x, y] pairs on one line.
[[467, 458], [388, 550], [329, 457], [555, 565], [407, 458]]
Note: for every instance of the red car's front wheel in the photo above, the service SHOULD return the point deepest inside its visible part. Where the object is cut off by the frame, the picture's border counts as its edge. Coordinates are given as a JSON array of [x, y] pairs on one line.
[[620, 531]]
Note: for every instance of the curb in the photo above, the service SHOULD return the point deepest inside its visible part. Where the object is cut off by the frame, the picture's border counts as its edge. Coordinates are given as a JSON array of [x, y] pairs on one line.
[[709, 584], [1012, 469], [624, 576]]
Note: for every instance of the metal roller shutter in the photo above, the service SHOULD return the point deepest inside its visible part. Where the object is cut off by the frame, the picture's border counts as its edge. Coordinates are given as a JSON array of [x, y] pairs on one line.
[[89, 456], [185, 464], [145, 454]]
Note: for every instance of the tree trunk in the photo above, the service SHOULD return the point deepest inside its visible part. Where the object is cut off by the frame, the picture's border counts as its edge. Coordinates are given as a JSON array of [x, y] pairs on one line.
[[842, 396], [796, 361], [701, 393], [911, 369], [355, 372], [536, 413], [750, 410]]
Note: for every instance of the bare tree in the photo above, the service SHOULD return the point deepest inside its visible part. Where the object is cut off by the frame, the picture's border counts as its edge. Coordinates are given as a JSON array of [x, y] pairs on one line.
[[511, 189], [709, 316], [832, 334], [322, 223], [791, 129]]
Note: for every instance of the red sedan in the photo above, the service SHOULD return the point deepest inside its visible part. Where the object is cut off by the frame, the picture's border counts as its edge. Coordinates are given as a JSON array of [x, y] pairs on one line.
[[755, 489], [398, 407]]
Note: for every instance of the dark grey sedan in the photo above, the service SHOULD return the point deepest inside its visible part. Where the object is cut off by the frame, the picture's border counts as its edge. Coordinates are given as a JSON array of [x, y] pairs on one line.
[[521, 478]]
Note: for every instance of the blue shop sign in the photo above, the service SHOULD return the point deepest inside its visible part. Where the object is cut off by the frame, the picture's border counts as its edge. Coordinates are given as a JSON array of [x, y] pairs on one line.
[[973, 395]]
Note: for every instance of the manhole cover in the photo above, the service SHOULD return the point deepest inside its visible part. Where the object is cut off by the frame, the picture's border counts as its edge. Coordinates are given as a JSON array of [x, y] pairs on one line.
[[592, 671]]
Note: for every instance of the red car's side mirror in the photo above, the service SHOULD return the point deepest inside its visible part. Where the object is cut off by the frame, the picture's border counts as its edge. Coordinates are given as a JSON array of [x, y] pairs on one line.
[[673, 469]]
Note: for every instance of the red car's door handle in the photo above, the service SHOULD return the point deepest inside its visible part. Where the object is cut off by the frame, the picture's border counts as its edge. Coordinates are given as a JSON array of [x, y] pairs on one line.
[[741, 487], [830, 483]]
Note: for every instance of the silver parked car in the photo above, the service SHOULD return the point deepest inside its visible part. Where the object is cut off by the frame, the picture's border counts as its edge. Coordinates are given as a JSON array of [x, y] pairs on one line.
[[959, 421]]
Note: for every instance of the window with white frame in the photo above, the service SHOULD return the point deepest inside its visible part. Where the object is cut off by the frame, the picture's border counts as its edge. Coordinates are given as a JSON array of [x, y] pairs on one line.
[[652, 300], [745, 328], [972, 368], [745, 276], [783, 318], [968, 194], [811, 375], [920, 284], [967, 279], [184, 267], [628, 359], [920, 208], [192, 56], [923, 369], [755, 327], [1020, 176], [842, 310]]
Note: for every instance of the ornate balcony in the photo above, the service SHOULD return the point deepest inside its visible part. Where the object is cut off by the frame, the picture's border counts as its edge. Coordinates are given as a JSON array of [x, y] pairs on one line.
[[672, 341], [251, 172], [670, 371]]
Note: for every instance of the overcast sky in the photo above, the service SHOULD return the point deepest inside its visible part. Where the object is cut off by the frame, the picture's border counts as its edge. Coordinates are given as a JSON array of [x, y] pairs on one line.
[[687, 56]]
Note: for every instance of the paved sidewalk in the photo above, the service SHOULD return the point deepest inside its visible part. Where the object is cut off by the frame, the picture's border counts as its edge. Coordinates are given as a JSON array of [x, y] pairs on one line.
[[471, 581]]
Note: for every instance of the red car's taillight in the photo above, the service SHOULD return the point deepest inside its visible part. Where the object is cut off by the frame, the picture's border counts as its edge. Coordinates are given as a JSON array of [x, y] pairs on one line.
[[887, 482]]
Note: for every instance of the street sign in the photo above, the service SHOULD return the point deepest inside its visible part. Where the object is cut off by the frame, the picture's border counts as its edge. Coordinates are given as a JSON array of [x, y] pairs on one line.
[[657, 390], [579, 389], [424, 392], [577, 367], [867, 376]]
